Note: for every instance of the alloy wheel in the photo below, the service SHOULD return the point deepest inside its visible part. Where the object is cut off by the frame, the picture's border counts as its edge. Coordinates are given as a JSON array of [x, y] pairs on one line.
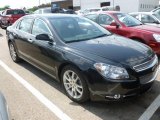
[[13, 52], [73, 84]]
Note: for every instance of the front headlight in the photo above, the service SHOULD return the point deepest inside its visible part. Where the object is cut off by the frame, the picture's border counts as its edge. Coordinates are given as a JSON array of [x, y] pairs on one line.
[[111, 72], [156, 37]]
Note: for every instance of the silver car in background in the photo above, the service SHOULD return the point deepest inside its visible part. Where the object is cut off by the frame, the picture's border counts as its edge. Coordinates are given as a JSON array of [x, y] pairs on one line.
[[148, 18]]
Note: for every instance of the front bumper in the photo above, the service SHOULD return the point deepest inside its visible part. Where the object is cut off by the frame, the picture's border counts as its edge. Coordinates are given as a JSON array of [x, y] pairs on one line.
[[114, 91]]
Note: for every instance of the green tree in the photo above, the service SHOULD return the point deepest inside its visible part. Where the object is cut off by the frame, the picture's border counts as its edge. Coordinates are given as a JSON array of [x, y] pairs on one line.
[[5, 7]]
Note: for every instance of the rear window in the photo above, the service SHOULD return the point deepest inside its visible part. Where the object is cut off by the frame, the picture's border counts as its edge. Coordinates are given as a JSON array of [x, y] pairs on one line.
[[15, 12]]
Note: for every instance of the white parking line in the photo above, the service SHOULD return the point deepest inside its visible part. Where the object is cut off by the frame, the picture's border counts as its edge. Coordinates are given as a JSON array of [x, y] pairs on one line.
[[52, 107], [151, 109]]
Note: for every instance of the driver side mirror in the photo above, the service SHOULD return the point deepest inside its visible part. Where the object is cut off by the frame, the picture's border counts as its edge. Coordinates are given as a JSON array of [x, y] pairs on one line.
[[114, 24], [44, 37]]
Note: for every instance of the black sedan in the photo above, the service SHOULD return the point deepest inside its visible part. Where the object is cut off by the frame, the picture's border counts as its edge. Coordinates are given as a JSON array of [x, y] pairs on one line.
[[90, 62]]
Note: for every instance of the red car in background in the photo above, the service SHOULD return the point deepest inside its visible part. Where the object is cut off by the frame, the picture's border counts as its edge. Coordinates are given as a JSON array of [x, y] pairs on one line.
[[9, 16], [125, 25]]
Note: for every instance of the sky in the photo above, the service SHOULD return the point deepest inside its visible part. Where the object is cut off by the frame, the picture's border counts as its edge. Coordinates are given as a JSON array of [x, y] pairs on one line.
[[22, 3]]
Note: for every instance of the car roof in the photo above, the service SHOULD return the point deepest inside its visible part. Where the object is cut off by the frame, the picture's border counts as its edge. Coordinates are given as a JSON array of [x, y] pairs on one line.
[[50, 15], [104, 12], [149, 13]]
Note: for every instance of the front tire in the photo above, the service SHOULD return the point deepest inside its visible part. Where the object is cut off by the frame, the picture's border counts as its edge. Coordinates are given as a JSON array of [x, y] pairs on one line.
[[13, 53], [74, 84]]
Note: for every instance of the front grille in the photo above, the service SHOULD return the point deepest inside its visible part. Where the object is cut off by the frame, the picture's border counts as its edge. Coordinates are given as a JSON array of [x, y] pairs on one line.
[[144, 66]]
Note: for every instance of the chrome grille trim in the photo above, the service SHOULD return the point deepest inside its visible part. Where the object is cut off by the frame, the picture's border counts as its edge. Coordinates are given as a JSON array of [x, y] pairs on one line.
[[146, 65]]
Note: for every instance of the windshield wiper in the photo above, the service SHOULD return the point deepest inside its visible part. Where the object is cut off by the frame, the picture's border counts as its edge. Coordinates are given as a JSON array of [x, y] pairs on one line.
[[87, 38], [100, 36], [77, 40]]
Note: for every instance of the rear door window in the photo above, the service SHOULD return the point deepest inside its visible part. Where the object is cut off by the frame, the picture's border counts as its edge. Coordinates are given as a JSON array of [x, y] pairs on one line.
[[40, 27], [25, 25]]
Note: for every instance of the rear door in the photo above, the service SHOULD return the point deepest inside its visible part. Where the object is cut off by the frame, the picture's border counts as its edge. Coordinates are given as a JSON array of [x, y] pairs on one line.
[[22, 34]]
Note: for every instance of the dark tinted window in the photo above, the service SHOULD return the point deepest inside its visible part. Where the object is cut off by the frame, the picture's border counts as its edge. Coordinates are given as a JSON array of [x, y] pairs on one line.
[[25, 25], [105, 19], [105, 9], [14, 12], [39, 27]]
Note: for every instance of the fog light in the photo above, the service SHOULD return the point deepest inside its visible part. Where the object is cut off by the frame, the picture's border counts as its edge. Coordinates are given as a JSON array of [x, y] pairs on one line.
[[113, 97], [118, 96]]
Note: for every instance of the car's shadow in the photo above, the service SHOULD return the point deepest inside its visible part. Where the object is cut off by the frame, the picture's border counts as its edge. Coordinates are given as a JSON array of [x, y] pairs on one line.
[[130, 109]]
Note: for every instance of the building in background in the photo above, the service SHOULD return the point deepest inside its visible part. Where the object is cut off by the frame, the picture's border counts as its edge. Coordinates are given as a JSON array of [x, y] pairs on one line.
[[123, 5], [67, 4]]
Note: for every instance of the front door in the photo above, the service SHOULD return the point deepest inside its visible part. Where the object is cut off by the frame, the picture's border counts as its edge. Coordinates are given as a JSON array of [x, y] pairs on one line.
[[43, 52]]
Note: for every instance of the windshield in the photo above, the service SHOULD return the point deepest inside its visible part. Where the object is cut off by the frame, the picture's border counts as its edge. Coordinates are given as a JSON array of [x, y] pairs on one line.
[[73, 29], [128, 20]]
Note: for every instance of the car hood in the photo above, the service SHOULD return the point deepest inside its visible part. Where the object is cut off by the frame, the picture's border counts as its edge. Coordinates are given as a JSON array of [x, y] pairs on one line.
[[150, 28], [115, 48]]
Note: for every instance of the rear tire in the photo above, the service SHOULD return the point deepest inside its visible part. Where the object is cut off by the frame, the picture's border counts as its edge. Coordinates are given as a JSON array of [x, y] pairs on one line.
[[13, 53], [74, 84]]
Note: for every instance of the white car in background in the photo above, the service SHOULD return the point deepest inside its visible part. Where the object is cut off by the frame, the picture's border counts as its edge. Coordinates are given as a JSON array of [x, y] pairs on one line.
[[90, 10], [148, 18]]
